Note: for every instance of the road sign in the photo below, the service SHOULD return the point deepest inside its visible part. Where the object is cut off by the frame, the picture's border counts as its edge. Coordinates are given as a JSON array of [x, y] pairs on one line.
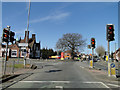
[[112, 65], [113, 72]]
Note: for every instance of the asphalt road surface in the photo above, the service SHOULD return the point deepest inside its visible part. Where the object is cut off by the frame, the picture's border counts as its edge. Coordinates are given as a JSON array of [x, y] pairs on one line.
[[61, 74]]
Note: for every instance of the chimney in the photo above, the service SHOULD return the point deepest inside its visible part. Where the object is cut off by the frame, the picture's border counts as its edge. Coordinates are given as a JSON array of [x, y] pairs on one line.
[[33, 36], [26, 36]]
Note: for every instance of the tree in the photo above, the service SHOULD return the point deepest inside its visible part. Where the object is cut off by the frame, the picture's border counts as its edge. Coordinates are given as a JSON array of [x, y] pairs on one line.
[[70, 41], [100, 51], [46, 53]]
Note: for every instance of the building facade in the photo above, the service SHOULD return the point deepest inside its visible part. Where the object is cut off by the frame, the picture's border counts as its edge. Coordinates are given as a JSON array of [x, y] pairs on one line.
[[27, 47], [116, 54]]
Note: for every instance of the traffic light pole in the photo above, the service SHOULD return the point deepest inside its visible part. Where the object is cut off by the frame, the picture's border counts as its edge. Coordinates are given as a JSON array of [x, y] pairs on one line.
[[5, 62], [92, 57], [109, 72]]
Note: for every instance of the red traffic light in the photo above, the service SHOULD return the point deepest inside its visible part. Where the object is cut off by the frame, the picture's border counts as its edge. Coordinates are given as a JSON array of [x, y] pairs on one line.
[[93, 40], [110, 27]]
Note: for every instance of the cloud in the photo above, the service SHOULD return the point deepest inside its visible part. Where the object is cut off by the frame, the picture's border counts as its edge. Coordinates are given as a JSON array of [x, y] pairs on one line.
[[53, 17]]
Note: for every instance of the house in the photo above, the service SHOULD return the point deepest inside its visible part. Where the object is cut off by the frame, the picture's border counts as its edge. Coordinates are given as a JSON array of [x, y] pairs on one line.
[[116, 54], [3, 50], [27, 47], [67, 54]]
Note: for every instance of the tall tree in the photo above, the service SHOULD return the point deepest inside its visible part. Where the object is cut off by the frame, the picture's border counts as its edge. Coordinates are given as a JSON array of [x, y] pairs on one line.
[[100, 50], [71, 41]]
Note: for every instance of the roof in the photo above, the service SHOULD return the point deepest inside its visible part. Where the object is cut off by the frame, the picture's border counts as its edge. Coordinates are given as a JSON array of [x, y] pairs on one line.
[[117, 50], [31, 44]]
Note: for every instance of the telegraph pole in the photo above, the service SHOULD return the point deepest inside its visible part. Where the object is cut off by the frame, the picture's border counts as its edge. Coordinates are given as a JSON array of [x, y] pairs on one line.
[[28, 21]]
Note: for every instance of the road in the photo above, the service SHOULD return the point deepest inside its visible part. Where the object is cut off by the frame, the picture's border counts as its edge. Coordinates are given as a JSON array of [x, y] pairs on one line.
[[61, 74]]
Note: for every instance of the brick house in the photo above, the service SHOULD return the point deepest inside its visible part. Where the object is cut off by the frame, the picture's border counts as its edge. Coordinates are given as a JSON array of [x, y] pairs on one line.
[[28, 48], [3, 50], [116, 54]]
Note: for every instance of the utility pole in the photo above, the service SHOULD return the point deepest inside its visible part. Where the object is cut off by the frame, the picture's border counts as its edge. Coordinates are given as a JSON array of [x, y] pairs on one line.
[[28, 21], [27, 33]]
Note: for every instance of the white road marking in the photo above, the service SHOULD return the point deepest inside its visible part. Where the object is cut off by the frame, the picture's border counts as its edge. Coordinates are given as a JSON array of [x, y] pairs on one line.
[[98, 82], [58, 86], [66, 82], [81, 67], [113, 85], [91, 82], [46, 81], [105, 85]]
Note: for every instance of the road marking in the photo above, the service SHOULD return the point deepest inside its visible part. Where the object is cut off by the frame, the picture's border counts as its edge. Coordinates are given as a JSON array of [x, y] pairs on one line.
[[81, 67], [113, 85], [64, 82], [45, 81], [98, 82], [58, 86], [104, 85]]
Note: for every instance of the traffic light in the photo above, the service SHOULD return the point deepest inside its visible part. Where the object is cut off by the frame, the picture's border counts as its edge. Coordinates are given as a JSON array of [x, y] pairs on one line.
[[110, 32], [93, 42], [5, 37], [12, 34]]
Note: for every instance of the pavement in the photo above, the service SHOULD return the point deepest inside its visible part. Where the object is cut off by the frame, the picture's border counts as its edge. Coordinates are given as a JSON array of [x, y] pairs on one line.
[[63, 74]]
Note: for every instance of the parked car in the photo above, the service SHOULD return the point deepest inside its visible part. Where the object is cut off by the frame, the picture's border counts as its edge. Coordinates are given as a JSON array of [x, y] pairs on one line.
[[95, 60]]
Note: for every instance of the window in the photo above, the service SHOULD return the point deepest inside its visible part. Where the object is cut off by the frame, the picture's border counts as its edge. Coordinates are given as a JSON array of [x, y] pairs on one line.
[[14, 53], [23, 52]]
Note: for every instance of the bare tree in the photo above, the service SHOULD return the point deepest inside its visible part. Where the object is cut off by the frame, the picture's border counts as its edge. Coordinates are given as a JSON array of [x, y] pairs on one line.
[[70, 41], [100, 50]]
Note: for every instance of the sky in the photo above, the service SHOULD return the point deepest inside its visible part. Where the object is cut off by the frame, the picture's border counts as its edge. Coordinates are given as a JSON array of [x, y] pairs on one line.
[[50, 20]]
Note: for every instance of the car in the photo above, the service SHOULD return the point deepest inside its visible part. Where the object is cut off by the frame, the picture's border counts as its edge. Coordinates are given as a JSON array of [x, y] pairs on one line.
[[95, 60]]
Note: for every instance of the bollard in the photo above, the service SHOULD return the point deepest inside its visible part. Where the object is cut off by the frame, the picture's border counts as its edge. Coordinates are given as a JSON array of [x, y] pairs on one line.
[[91, 64]]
